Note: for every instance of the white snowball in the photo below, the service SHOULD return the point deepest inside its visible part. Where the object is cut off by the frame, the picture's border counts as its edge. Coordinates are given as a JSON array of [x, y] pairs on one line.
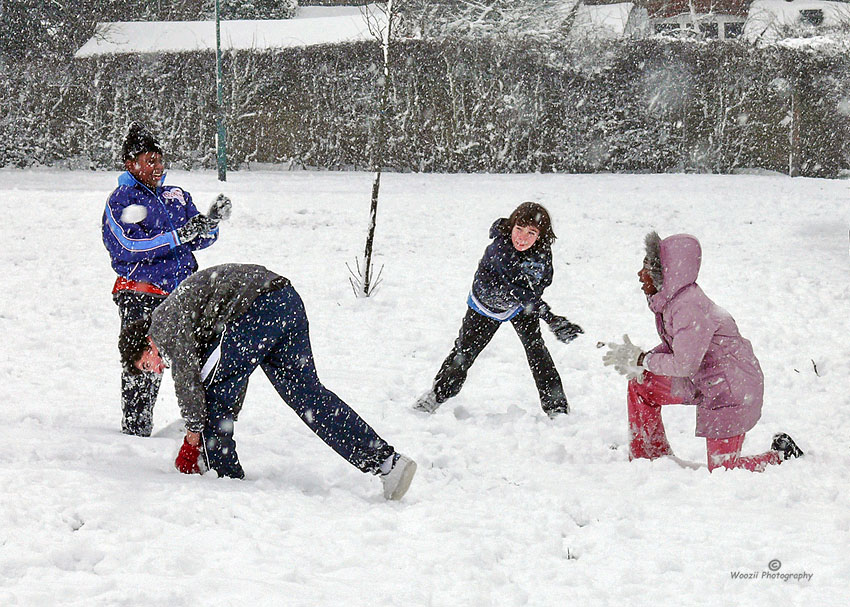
[[135, 213]]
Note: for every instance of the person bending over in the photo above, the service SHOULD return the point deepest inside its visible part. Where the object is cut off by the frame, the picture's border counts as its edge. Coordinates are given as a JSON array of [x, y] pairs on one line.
[[215, 329]]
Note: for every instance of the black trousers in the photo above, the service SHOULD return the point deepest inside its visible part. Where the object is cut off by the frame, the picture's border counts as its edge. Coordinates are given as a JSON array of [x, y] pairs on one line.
[[476, 332], [139, 391]]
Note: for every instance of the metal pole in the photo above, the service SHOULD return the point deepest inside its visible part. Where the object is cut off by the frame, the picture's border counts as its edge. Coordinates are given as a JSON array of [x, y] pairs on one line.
[[794, 135], [221, 134]]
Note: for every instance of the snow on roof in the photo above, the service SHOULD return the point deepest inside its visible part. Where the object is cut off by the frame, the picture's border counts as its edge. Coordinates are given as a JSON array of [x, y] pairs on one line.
[[312, 25], [768, 18], [311, 12], [605, 20]]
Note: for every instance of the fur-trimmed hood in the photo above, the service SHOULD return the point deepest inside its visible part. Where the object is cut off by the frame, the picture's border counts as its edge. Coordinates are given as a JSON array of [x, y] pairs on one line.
[[652, 261], [679, 258]]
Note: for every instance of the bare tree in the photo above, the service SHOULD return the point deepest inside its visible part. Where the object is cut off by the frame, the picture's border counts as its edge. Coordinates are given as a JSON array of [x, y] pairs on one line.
[[382, 20], [482, 18]]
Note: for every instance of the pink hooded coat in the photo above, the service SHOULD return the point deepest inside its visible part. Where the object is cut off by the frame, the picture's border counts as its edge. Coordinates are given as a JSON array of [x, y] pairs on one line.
[[712, 366]]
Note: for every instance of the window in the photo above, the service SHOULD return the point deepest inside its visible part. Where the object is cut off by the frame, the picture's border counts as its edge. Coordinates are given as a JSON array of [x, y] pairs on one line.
[[666, 28], [812, 16], [709, 30], [733, 30]]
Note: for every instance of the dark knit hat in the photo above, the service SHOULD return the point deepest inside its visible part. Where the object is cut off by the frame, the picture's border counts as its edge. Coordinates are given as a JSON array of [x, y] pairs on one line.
[[139, 140]]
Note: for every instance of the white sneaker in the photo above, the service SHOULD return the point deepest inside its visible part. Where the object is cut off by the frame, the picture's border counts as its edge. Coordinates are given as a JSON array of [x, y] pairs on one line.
[[427, 403], [397, 480]]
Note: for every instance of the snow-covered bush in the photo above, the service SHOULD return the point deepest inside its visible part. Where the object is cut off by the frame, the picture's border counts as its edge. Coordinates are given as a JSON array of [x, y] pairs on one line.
[[257, 9], [457, 104]]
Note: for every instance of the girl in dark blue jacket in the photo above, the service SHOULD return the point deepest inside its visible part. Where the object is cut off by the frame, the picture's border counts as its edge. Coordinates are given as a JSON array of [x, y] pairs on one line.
[[508, 286]]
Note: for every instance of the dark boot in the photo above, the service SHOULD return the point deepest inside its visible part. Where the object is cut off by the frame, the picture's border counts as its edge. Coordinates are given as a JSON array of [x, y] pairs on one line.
[[556, 408], [553, 401], [219, 451], [786, 446]]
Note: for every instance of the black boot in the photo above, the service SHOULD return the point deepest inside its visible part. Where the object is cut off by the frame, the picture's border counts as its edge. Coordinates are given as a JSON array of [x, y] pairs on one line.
[[786, 446], [555, 408]]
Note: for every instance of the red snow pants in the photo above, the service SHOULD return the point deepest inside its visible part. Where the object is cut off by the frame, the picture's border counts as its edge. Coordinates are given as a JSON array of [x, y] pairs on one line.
[[649, 440]]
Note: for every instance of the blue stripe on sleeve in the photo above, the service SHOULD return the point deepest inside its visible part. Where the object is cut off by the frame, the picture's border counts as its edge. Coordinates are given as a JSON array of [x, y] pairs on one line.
[[166, 239]]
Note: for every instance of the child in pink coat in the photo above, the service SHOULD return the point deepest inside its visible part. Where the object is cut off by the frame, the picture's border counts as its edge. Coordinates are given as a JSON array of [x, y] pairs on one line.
[[701, 360]]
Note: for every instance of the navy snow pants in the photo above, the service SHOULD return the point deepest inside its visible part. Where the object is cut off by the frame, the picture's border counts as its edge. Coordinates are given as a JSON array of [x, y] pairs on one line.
[[273, 334], [138, 391], [475, 333]]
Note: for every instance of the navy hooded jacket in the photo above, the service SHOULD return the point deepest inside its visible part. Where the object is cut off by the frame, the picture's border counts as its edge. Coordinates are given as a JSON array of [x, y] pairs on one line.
[[508, 281], [140, 232]]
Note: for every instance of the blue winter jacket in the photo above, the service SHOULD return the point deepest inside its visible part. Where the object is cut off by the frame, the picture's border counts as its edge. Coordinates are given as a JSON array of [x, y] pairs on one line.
[[140, 233], [508, 281]]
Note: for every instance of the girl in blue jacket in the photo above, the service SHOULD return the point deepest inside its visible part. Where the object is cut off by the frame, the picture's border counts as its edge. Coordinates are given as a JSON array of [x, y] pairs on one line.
[[508, 286]]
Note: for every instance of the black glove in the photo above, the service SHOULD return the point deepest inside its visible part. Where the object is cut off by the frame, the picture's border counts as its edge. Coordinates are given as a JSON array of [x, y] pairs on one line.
[[563, 329], [196, 226], [545, 312], [220, 208]]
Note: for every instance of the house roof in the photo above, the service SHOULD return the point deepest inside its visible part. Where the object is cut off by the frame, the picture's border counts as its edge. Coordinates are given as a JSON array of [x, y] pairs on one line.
[[312, 25]]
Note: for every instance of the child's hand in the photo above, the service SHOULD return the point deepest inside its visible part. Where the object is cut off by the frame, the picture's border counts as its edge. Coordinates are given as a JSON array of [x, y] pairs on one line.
[[563, 329], [624, 358], [195, 227], [220, 208], [187, 458]]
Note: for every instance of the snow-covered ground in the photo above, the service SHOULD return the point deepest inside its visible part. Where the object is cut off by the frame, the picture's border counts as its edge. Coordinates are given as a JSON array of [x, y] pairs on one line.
[[508, 507]]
